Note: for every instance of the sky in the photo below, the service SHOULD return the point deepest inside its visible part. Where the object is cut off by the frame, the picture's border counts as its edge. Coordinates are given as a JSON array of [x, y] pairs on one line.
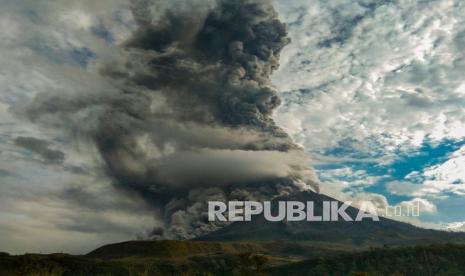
[[372, 90]]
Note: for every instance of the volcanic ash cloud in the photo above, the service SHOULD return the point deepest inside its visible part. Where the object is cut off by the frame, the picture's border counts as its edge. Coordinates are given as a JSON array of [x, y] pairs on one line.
[[190, 119]]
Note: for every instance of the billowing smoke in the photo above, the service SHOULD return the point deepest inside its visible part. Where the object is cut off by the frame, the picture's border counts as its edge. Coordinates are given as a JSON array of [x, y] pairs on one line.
[[190, 119]]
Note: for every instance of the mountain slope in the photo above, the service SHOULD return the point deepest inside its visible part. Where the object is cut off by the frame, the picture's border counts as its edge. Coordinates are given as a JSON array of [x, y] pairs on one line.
[[188, 249], [365, 233]]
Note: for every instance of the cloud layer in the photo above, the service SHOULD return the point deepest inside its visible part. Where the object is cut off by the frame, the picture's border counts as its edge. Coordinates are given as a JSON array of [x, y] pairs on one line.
[[376, 76], [374, 91]]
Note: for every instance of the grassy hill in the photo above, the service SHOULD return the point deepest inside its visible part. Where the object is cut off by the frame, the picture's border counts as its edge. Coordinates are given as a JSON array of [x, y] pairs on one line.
[[433, 260], [218, 258], [170, 249], [170, 258]]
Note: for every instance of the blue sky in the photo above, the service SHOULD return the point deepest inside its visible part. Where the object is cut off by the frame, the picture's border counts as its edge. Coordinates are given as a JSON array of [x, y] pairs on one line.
[[398, 171]]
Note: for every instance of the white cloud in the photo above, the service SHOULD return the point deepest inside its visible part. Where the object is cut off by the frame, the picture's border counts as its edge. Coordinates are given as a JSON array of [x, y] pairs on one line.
[[458, 226], [424, 205], [384, 208], [448, 176], [372, 81], [403, 188], [436, 181], [380, 76], [350, 178]]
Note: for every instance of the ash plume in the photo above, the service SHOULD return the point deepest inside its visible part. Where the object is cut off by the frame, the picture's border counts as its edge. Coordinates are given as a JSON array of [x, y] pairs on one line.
[[190, 118]]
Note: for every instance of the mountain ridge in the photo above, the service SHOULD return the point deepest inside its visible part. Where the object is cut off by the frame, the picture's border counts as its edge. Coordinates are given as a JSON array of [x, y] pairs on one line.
[[364, 233]]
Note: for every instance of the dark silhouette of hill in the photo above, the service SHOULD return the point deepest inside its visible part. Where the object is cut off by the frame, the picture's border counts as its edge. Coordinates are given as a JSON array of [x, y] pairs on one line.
[[170, 249], [215, 258], [186, 249], [167, 258], [430, 260]]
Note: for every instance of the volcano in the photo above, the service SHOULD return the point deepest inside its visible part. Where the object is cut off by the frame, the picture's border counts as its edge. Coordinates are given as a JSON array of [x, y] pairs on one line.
[[366, 233]]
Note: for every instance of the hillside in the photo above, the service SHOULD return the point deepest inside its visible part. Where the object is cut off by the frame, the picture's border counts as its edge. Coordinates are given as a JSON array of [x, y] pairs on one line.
[[213, 258], [360, 234], [169, 258], [187, 249], [412, 261], [170, 249]]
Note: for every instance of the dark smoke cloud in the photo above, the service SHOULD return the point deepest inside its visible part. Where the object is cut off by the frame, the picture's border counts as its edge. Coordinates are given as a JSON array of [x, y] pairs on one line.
[[190, 119], [41, 148]]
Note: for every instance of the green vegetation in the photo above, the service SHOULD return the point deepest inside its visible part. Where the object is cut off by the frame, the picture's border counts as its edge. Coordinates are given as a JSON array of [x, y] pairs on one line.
[[216, 258], [63, 265], [434, 260]]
